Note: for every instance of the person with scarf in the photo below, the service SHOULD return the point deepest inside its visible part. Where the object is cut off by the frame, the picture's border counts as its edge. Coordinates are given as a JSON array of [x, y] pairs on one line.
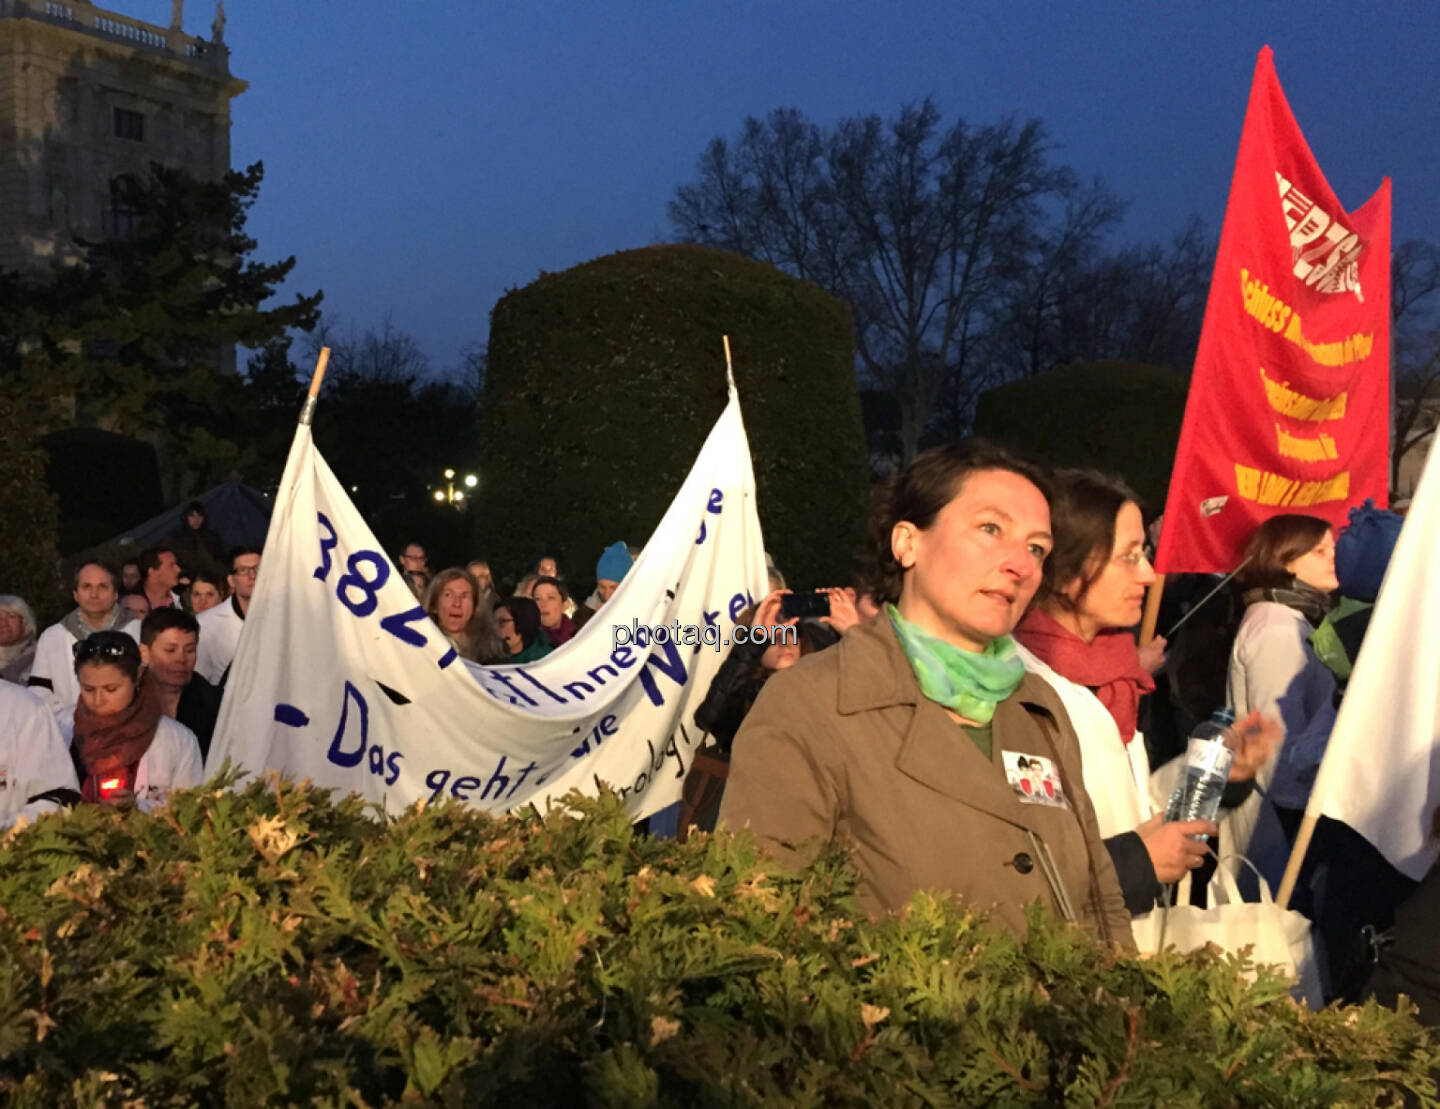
[[552, 598], [17, 639], [1289, 581], [1077, 637], [901, 741], [518, 621], [96, 609], [125, 749]]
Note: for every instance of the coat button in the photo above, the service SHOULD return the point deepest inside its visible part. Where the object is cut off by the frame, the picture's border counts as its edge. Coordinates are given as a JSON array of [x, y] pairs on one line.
[[1023, 863]]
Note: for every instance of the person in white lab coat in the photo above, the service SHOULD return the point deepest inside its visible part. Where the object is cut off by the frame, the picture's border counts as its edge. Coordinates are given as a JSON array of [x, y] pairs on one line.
[[36, 774]]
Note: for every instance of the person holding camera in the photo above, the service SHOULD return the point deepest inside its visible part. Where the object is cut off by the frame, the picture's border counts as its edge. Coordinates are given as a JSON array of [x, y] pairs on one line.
[[766, 649], [125, 749], [900, 743]]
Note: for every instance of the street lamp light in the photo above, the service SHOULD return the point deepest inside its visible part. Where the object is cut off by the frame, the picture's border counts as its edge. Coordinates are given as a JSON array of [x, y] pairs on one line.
[[452, 496]]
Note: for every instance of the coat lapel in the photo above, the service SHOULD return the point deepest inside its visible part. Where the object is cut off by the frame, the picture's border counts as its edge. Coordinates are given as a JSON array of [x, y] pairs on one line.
[[938, 754], [935, 750]]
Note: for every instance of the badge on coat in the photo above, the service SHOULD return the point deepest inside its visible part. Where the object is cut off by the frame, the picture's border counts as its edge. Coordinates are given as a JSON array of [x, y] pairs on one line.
[[1034, 780]]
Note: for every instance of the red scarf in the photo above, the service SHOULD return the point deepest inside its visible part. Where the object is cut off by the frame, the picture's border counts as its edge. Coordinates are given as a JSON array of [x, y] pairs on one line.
[[113, 745], [1109, 666], [562, 633]]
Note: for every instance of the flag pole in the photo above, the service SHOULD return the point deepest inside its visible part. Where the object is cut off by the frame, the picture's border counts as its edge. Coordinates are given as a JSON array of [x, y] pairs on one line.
[[1152, 609], [729, 366], [307, 413], [1297, 858]]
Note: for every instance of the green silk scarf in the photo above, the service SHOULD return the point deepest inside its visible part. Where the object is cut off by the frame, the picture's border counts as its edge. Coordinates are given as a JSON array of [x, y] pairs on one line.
[[969, 682]]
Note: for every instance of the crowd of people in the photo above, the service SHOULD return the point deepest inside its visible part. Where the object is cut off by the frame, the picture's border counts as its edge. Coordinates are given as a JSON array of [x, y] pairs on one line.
[[972, 714], [117, 702]]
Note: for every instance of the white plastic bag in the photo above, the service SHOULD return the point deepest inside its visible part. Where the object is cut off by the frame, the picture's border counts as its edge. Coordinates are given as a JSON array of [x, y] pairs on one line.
[[1276, 936]]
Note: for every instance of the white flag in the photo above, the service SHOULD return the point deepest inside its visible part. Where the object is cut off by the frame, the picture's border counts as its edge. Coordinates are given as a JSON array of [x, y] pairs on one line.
[[341, 678], [1381, 771]]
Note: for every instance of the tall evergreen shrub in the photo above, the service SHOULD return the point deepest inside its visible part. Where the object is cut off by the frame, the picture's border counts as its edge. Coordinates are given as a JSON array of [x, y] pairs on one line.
[[603, 381], [1120, 417], [29, 555]]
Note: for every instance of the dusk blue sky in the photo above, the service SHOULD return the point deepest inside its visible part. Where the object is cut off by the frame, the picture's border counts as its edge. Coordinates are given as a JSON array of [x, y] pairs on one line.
[[423, 157]]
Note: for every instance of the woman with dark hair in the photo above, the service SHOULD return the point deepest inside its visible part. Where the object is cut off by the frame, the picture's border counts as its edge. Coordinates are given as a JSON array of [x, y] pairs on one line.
[[518, 621], [551, 598], [900, 741], [207, 589], [1289, 578], [1078, 637], [452, 600], [136, 604], [126, 750]]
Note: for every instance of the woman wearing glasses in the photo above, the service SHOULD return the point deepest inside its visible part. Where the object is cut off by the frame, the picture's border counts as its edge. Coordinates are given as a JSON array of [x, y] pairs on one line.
[[125, 750], [1079, 637]]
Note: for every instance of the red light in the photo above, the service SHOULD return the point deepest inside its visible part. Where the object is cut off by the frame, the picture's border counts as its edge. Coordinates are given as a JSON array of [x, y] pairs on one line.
[[109, 785]]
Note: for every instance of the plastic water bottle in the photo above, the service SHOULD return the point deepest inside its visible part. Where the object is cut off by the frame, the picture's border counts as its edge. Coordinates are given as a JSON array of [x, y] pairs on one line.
[[1207, 771]]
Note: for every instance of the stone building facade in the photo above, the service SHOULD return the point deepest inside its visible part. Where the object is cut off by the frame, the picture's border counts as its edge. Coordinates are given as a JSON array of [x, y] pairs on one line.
[[88, 94]]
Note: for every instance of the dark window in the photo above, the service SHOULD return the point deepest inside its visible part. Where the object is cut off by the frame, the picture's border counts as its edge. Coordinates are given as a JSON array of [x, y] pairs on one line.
[[123, 216], [129, 125]]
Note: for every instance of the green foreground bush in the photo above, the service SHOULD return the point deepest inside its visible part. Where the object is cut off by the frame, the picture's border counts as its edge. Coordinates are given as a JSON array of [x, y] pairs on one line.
[[273, 948]]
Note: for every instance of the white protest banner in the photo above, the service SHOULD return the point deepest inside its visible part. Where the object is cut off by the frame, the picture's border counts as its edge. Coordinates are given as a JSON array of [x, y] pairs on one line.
[[1381, 770], [341, 678]]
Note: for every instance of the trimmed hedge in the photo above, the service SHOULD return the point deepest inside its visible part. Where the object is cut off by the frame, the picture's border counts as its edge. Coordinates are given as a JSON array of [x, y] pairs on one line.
[[274, 948], [29, 556], [603, 381], [1120, 417]]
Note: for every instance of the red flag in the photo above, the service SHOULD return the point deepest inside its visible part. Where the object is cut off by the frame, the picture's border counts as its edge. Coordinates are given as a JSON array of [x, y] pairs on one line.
[[1289, 405]]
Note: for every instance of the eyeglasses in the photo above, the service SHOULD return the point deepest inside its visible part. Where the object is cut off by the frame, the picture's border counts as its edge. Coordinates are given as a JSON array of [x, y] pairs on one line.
[[1131, 561], [245, 571], [103, 645]]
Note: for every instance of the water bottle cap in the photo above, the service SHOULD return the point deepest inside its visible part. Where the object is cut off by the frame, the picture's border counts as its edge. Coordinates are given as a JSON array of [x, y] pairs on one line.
[[1224, 715]]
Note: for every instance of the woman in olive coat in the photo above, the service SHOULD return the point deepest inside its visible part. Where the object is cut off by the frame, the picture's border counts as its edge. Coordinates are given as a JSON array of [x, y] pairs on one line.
[[920, 741]]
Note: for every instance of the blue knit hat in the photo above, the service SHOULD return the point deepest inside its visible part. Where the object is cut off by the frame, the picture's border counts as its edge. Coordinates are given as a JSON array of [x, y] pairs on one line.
[[1363, 550], [614, 563]]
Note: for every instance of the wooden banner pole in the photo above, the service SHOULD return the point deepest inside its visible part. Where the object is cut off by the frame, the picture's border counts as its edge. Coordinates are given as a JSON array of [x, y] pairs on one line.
[[729, 366], [1152, 609], [307, 413], [1297, 859]]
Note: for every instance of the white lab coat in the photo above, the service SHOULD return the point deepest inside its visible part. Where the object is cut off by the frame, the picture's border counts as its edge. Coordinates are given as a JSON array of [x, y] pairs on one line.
[[220, 629], [33, 756]]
